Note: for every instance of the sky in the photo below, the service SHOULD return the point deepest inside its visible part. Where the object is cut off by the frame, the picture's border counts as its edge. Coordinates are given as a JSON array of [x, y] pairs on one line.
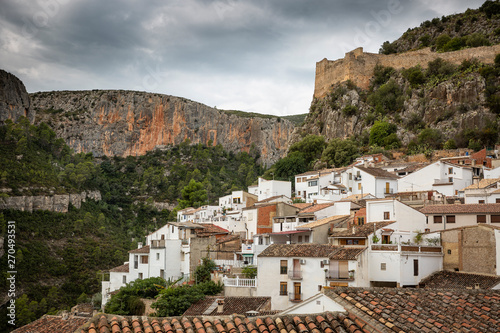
[[256, 56]]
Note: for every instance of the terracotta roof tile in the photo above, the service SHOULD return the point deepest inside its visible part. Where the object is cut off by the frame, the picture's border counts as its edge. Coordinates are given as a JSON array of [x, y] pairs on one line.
[[302, 205], [483, 183], [461, 209], [311, 251], [239, 305], [459, 280], [120, 269], [144, 249], [322, 221], [423, 310], [378, 173], [53, 324], [209, 229], [360, 230], [314, 208]]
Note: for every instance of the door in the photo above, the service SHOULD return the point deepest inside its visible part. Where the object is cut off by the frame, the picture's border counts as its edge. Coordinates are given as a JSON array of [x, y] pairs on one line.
[[297, 290], [296, 268], [387, 188]]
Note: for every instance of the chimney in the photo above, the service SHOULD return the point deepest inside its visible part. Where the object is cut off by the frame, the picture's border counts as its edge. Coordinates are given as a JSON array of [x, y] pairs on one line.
[[139, 245], [353, 229], [476, 286], [220, 305]]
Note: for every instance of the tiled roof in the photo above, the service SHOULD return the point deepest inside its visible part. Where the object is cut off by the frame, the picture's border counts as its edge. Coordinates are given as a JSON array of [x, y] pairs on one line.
[[311, 251], [272, 199], [228, 238], [459, 280], [301, 205], [483, 183], [361, 230], [423, 310], [239, 305], [53, 324], [378, 173], [328, 322], [322, 222], [210, 229], [461, 209], [357, 196], [314, 208], [144, 249], [257, 206], [120, 269]]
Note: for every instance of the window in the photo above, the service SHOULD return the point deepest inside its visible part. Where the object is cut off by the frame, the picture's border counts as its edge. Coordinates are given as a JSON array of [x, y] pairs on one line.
[[313, 183], [361, 220], [144, 259], [157, 256], [283, 289], [283, 266], [450, 218], [450, 179], [300, 239], [124, 279], [136, 261], [304, 179], [438, 219], [495, 218], [497, 200], [359, 186], [140, 276], [319, 289], [261, 240], [481, 219], [383, 266], [387, 215], [299, 180], [415, 267], [306, 238], [480, 201], [299, 193], [450, 171], [162, 273], [350, 176], [449, 251]]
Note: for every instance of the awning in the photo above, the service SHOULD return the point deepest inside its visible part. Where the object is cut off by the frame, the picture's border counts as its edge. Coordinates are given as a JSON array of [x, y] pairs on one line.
[[247, 254]]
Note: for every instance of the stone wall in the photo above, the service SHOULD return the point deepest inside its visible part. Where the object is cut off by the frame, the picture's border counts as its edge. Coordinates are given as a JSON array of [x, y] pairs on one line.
[[55, 203], [358, 66]]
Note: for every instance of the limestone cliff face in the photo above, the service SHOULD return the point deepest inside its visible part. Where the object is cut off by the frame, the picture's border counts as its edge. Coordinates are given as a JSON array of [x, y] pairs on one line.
[[14, 100], [131, 123]]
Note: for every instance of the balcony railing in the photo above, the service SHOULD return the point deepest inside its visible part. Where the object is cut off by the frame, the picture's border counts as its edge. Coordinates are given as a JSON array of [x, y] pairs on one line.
[[295, 275], [237, 282], [389, 191], [295, 297], [157, 244], [357, 177], [407, 248], [336, 275]]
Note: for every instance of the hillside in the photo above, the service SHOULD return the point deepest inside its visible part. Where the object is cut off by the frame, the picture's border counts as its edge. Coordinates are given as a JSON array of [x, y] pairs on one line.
[[475, 27], [131, 123]]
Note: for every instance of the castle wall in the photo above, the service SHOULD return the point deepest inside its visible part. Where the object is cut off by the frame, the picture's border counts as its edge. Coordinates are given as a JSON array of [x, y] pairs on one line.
[[358, 66]]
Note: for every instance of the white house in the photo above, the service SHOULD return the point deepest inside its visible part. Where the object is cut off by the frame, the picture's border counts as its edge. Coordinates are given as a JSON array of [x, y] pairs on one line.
[[442, 217], [320, 186], [237, 200], [443, 177], [272, 188], [485, 191], [291, 273], [360, 180], [491, 173]]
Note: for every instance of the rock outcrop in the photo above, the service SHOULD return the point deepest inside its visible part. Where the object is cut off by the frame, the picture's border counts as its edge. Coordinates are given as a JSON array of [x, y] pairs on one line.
[[55, 203], [127, 123], [14, 100]]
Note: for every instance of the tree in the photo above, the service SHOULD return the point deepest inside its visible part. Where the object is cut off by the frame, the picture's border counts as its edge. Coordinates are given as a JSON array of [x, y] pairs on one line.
[[431, 137], [311, 147], [202, 272], [289, 166], [340, 152], [193, 194], [380, 131]]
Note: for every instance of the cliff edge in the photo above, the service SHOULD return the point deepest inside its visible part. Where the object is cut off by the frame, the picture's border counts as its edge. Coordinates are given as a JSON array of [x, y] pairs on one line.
[[14, 100]]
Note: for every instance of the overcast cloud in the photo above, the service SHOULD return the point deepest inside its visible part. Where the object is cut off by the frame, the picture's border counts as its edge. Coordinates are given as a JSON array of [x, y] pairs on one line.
[[257, 56]]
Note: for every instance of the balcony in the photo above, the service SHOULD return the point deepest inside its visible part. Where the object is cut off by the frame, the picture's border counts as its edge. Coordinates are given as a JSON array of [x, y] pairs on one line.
[[295, 297], [295, 275], [340, 276], [389, 191], [357, 177], [407, 248], [158, 244]]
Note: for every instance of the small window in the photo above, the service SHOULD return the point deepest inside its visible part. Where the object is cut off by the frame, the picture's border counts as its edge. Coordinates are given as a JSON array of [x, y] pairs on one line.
[[283, 289], [438, 219], [300, 239], [497, 200], [361, 220], [299, 180], [415, 267], [124, 279], [387, 215], [144, 259], [299, 192], [306, 239], [359, 186], [313, 183], [450, 218], [283, 266], [157, 256], [450, 179], [140, 276], [450, 171], [350, 176], [319, 289], [480, 201], [449, 251], [261, 240], [383, 266], [481, 219], [495, 218]]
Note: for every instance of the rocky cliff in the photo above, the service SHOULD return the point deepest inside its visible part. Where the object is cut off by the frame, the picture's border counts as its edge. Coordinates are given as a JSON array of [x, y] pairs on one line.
[[127, 123], [14, 100]]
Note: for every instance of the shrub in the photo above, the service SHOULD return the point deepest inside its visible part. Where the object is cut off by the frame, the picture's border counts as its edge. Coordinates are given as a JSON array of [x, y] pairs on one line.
[[380, 131], [350, 110], [431, 137]]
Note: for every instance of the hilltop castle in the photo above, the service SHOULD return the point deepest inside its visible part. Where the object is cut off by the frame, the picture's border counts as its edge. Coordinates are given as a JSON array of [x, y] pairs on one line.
[[358, 66]]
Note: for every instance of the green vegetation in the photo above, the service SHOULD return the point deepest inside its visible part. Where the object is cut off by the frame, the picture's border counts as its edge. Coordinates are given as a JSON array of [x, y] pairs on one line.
[[340, 152], [249, 272]]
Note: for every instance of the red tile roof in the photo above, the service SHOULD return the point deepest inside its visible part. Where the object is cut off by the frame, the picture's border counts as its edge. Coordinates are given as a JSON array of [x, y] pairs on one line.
[[302, 205], [53, 324], [209, 229], [423, 310], [377, 172], [459, 280], [239, 305], [144, 249], [311, 251], [327, 322], [314, 208], [461, 209], [360, 230], [120, 269]]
